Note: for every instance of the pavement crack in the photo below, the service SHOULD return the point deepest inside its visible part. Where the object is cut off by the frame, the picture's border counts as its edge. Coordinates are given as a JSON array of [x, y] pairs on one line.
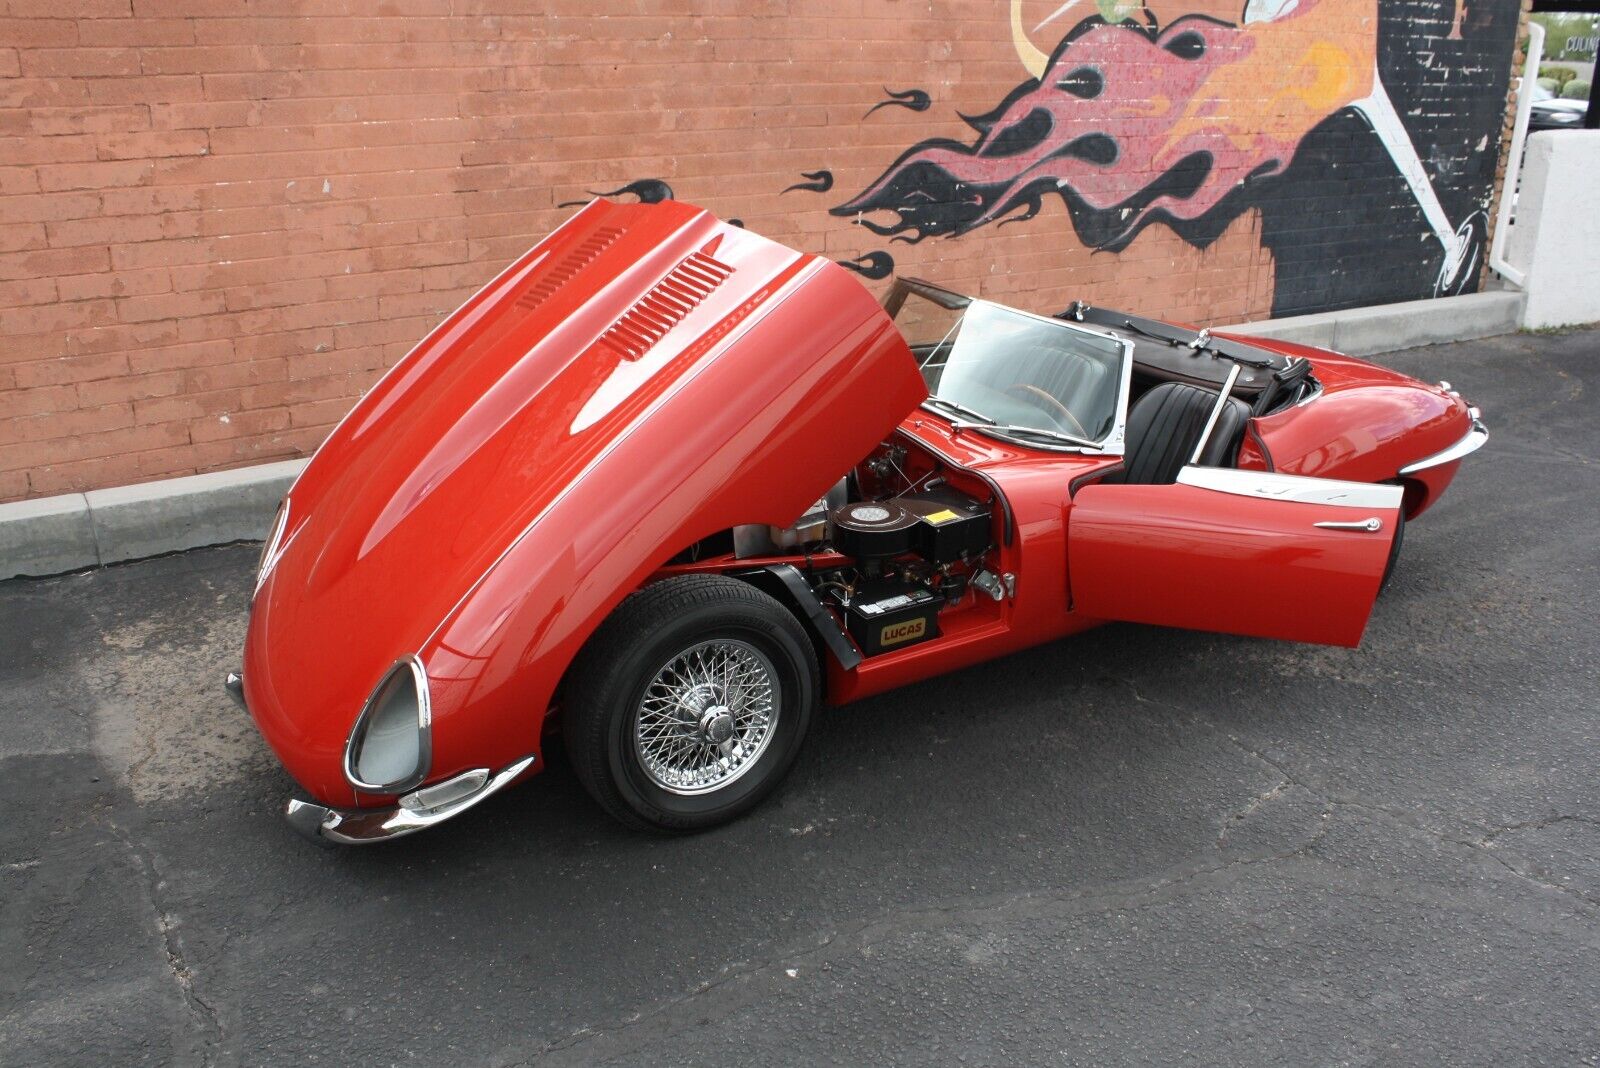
[[208, 1023], [1535, 825], [1249, 809], [1332, 800]]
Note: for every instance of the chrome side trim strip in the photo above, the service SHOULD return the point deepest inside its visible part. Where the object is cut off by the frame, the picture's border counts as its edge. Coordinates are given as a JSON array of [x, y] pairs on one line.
[[1272, 486], [1468, 445], [366, 826]]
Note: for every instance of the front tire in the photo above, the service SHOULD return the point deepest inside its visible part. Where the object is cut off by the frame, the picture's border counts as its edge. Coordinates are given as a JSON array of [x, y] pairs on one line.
[[690, 703]]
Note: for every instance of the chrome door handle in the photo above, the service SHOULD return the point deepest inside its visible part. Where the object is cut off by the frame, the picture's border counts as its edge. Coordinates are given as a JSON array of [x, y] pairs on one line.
[[1370, 525]]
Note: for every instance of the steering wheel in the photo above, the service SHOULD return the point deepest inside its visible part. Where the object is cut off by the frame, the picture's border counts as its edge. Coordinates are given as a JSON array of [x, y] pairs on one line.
[[1033, 390]]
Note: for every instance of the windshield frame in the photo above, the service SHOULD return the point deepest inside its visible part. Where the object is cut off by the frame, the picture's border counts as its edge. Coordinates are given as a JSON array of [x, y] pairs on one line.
[[1114, 441]]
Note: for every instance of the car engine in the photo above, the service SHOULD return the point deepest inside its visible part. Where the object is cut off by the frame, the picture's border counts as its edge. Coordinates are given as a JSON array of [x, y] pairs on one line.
[[914, 544]]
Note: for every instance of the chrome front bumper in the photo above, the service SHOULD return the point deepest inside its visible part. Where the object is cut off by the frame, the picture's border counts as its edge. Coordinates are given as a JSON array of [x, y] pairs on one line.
[[417, 810], [1475, 437]]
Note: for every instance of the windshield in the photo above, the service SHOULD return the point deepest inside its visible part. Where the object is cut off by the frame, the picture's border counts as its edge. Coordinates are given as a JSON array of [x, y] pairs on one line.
[[1015, 374]]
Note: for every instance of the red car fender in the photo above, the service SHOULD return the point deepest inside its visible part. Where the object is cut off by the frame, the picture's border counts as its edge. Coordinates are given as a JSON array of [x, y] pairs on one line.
[[644, 377], [1365, 424], [541, 602]]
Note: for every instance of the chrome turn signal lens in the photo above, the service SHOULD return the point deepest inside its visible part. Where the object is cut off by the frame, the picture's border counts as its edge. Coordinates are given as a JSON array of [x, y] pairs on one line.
[[390, 745]]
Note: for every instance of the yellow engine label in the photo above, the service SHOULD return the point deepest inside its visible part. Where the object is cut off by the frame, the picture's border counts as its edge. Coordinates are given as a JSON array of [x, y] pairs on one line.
[[940, 517], [895, 633]]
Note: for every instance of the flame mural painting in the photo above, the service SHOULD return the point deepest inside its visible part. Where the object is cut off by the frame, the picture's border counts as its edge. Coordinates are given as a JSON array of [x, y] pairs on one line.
[[1323, 114]]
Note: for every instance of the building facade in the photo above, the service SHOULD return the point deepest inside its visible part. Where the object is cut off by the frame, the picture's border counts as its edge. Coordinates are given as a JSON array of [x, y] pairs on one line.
[[220, 222]]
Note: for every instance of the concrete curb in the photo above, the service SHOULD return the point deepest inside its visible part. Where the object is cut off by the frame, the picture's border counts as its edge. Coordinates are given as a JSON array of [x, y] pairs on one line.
[[76, 530], [55, 534], [1391, 327]]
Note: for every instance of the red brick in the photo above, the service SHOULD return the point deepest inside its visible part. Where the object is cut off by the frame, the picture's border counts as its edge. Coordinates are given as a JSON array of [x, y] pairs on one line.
[[209, 116], [129, 388], [70, 424], [114, 284], [18, 180], [39, 32], [49, 318], [229, 425], [169, 306], [50, 121], [20, 237], [13, 485], [80, 62], [53, 262], [231, 375], [156, 143], [19, 150], [139, 31], [122, 231], [83, 9], [48, 207], [27, 291], [183, 408], [40, 400], [43, 459], [147, 89], [94, 175], [189, 355], [64, 369]]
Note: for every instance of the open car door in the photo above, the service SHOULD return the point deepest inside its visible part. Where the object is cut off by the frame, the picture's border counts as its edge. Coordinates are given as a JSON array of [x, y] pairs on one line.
[[1241, 552]]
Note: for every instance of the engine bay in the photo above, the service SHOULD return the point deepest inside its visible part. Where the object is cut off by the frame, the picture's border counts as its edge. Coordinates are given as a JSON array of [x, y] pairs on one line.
[[894, 546]]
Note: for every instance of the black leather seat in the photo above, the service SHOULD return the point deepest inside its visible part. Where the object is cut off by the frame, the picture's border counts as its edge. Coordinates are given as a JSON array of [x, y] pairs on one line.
[[1165, 425]]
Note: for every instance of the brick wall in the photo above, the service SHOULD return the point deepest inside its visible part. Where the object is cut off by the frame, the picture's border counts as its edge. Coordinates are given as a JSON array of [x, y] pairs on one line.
[[221, 219]]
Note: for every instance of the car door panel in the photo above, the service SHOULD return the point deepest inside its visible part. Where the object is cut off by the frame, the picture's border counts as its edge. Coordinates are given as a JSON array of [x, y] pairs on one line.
[[1240, 552]]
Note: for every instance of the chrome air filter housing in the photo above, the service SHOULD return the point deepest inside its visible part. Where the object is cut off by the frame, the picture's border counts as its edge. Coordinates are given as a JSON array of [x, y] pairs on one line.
[[872, 530]]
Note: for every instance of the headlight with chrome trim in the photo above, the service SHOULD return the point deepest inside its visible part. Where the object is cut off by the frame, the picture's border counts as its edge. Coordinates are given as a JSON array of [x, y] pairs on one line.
[[390, 745]]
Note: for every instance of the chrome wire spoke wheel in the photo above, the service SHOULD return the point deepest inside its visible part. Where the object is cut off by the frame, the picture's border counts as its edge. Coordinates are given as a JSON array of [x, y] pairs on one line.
[[706, 716]]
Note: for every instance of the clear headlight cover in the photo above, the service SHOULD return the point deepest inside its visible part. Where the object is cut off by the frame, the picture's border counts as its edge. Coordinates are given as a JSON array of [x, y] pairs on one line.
[[389, 749]]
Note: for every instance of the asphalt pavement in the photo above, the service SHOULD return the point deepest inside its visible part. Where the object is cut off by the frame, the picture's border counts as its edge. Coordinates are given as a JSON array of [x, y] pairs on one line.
[[1134, 846]]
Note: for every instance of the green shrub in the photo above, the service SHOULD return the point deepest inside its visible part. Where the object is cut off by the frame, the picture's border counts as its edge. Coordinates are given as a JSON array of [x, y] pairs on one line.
[[1577, 89], [1551, 84], [1561, 75]]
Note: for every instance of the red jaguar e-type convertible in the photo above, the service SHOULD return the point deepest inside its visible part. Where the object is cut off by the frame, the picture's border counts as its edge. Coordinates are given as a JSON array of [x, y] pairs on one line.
[[670, 486]]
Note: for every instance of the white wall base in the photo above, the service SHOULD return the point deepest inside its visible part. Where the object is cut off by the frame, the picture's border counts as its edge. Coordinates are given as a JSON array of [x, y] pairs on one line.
[[76, 530], [1556, 236]]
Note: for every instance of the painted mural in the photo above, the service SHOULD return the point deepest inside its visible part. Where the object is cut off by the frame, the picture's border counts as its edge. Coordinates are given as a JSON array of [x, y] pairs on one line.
[[1364, 131]]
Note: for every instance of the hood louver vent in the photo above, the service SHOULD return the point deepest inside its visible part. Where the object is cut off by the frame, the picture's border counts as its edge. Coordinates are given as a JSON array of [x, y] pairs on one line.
[[659, 310], [570, 264]]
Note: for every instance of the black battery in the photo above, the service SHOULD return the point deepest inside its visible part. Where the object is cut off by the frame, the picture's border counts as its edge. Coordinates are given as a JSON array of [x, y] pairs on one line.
[[889, 617], [952, 525]]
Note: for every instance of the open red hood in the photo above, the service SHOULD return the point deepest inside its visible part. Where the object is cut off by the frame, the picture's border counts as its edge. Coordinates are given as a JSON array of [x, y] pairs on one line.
[[741, 360]]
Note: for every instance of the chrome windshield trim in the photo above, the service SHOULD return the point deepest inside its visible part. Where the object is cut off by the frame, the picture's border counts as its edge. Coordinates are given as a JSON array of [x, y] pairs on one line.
[[1298, 489], [1115, 441], [367, 826], [1476, 436], [358, 730]]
